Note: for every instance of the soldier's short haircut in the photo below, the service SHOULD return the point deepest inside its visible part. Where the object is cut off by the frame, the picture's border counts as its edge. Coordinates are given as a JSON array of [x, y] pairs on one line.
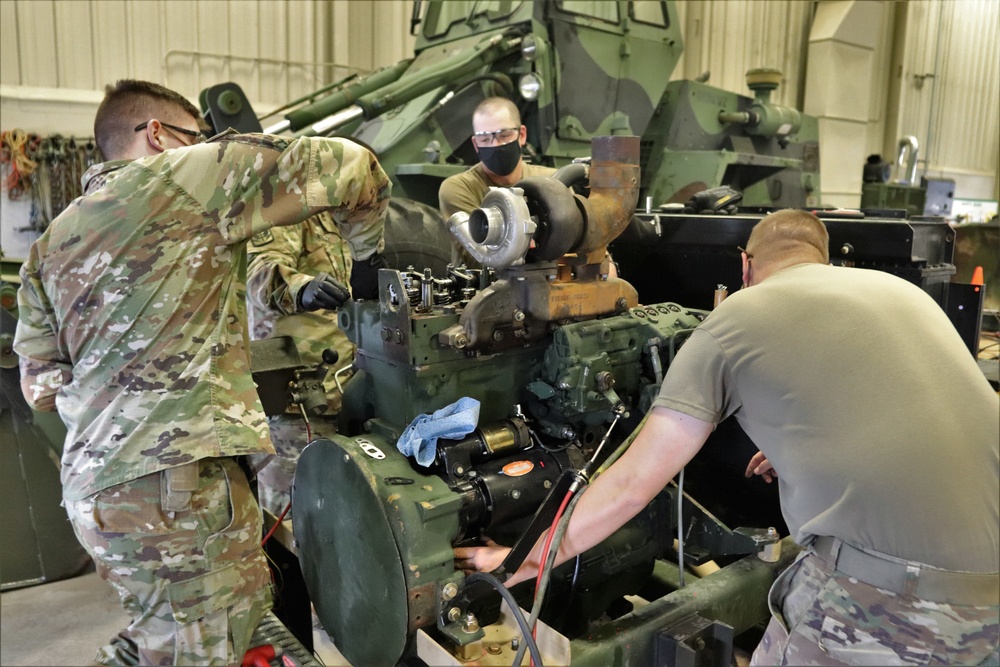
[[130, 102], [492, 105], [789, 233]]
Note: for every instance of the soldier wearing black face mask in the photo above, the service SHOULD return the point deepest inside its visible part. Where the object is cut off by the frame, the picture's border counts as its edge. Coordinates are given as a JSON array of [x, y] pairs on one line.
[[497, 137]]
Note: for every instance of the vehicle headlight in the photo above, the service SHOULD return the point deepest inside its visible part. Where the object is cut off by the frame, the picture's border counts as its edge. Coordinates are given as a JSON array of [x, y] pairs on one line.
[[529, 48], [529, 85]]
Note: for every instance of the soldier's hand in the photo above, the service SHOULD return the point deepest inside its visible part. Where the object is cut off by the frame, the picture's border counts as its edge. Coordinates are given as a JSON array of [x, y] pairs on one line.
[[323, 292], [759, 465], [480, 559]]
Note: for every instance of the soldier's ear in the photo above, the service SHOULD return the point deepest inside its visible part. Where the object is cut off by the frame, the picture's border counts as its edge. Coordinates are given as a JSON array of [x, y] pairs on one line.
[[154, 136], [522, 135]]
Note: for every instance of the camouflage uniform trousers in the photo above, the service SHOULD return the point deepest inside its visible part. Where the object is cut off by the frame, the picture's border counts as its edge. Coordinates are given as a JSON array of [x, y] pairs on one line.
[[182, 547], [289, 436], [821, 616]]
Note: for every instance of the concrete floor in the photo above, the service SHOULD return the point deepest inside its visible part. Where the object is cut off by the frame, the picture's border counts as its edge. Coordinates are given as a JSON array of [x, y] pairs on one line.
[[63, 623], [58, 623]]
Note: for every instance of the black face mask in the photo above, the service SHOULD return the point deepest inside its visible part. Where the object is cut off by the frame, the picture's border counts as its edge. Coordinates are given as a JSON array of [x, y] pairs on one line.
[[503, 159]]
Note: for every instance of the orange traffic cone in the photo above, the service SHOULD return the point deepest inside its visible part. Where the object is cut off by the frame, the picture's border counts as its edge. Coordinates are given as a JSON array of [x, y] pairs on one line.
[[977, 276]]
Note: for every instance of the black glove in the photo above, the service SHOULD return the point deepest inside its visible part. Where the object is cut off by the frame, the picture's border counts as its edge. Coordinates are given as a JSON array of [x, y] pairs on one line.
[[364, 276], [323, 292]]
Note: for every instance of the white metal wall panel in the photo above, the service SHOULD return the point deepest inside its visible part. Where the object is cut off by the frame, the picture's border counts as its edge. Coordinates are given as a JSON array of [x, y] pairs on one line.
[[880, 84], [10, 57], [728, 38], [36, 31], [244, 17], [916, 90], [276, 50], [949, 86], [391, 39], [272, 40], [72, 25], [301, 48], [212, 32], [110, 34], [340, 45], [145, 43], [180, 39], [360, 30], [964, 123]]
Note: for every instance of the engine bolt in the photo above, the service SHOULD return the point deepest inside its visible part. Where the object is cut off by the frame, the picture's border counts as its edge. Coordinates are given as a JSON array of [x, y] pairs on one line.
[[449, 591], [470, 624]]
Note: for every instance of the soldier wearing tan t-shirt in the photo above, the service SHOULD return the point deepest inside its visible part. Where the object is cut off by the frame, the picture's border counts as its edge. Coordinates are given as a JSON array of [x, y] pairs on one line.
[[497, 136], [884, 437]]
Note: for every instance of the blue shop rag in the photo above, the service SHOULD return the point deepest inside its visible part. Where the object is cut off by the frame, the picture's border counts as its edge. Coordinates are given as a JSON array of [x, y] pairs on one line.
[[452, 421]]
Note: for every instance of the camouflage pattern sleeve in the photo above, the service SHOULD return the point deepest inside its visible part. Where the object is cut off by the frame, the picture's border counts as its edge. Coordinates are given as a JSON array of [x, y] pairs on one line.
[[273, 276], [44, 367], [351, 181], [270, 181]]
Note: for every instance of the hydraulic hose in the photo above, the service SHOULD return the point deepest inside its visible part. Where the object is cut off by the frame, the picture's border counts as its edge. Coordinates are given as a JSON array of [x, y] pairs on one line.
[[529, 640]]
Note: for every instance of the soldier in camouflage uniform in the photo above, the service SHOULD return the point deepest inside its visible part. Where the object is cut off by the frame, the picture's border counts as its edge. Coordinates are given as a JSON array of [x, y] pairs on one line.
[[133, 325], [883, 435], [288, 266]]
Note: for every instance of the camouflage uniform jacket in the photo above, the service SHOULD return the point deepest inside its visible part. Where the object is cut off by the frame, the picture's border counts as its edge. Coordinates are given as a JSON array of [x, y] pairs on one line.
[[282, 262], [133, 308]]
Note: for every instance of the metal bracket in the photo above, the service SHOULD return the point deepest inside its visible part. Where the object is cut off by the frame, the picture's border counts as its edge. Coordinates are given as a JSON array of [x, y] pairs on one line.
[[694, 642]]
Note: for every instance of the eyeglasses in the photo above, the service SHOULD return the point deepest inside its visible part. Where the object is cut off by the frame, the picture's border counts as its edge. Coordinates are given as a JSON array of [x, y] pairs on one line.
[[742, 249], [198, 136], [496, 138]]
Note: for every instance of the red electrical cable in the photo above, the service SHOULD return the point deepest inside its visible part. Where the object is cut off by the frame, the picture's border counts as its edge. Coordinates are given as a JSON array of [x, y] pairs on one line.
[[548, 538], [545, 552], [281, 517], [277, 523]]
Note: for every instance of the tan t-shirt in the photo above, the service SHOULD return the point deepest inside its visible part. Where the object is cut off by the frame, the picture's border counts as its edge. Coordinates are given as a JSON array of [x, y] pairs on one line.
[[858, 389], [465, 191]]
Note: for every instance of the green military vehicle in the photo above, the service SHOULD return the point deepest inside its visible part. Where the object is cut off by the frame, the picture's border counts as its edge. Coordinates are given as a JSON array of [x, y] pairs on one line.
[[577, 70]]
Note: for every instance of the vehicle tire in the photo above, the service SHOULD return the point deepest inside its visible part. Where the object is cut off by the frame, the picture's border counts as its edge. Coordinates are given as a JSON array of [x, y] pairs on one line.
[[416, 235]]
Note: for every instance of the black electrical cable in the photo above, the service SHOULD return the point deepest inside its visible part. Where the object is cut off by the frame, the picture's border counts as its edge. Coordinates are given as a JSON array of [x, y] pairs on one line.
[[560, 531], [529, 640], [576, 573], [547, 567]]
